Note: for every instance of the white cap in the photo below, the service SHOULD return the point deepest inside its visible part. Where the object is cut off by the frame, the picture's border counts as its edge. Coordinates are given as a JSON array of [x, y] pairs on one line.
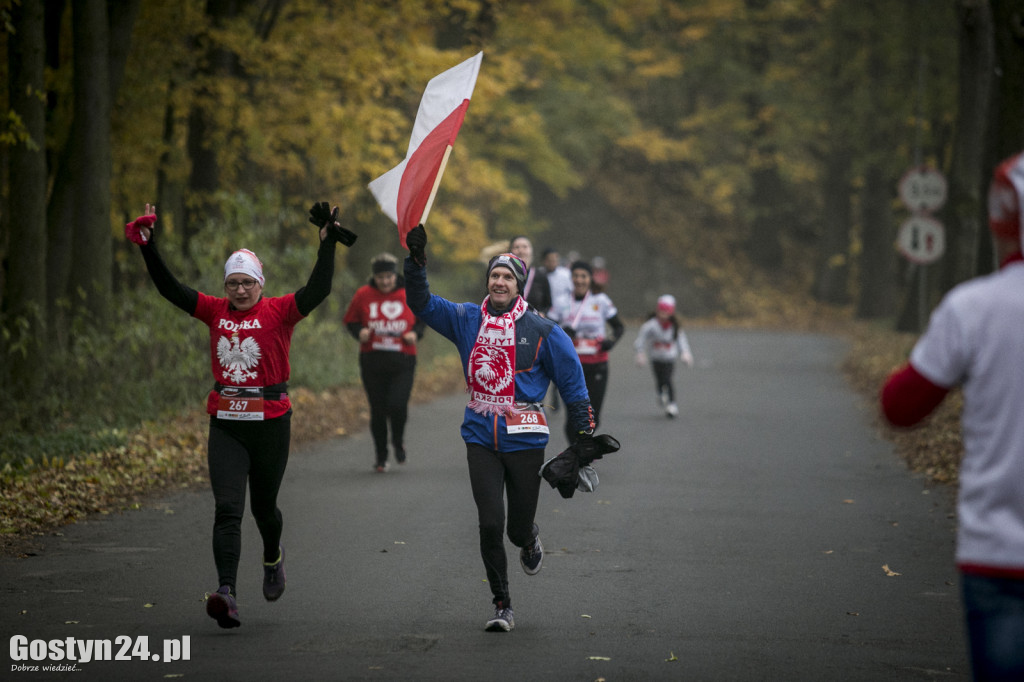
[[245, 262]]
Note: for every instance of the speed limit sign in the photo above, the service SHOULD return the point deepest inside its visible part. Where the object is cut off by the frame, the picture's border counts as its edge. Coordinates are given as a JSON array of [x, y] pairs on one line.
[[921, 239], [923, 189]]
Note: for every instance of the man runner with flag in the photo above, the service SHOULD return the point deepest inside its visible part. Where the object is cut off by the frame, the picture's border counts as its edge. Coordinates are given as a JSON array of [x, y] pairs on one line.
[[510, 355]]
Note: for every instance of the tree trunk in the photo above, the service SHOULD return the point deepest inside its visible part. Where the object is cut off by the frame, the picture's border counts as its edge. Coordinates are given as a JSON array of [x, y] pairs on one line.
[[25, 291], [965, 216], [92, 256], [205, 176], [765, 242], [1008, 93], [832, 279], [878, 256]]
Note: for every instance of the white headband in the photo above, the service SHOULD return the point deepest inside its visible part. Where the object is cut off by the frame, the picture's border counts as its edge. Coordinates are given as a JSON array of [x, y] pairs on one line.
[[244, 262]]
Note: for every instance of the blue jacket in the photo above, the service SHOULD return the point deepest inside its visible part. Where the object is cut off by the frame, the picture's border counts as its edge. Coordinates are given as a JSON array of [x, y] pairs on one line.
[[544, 353]]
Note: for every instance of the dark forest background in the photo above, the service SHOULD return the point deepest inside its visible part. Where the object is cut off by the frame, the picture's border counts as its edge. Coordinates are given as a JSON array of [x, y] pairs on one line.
[[742, 154]]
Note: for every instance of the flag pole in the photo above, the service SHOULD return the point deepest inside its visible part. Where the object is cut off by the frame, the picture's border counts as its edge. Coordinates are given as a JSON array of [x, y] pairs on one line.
[[437, 183]]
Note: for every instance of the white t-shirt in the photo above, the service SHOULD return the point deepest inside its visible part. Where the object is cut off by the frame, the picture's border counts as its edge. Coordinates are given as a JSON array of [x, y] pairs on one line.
[[560, 282], [976, 338], [658, 343], [587, 318]]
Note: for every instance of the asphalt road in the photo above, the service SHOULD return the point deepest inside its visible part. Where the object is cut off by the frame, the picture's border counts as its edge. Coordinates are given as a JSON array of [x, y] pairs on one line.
[[768, 533]]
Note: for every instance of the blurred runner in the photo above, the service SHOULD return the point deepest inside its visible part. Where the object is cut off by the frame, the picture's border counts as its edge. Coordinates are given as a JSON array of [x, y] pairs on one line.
[[387, 332], [586, 320], [663, 341]]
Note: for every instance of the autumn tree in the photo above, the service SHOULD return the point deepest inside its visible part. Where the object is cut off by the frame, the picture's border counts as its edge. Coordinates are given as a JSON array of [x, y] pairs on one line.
[[24, 329]]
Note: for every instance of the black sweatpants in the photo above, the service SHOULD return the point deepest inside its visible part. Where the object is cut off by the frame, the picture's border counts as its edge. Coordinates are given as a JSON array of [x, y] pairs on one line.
[[596, 376], [240, 452], [663, 378], [387, 378], [493, 475]]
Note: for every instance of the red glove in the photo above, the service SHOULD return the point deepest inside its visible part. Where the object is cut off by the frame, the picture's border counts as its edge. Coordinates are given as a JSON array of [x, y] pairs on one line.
[[133, 230]]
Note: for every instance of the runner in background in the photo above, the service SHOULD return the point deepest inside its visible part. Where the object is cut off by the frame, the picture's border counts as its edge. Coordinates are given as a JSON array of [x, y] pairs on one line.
[[387, 332], [250, 413], [663, 341], [510, 355], [559, 282], [536, 290], [586, 320], [600, 275]]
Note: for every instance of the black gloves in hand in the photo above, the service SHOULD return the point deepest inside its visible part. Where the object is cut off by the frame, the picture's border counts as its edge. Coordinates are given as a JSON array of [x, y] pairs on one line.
[[321, 215], [606, 344], [416, 241], [340, 234]]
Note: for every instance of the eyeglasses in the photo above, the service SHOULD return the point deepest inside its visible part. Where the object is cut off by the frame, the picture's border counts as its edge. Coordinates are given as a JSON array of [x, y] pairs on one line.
[[246, 284]]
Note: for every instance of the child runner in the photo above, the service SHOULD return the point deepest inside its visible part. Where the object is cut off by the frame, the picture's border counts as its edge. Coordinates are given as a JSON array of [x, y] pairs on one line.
[[661, 340]]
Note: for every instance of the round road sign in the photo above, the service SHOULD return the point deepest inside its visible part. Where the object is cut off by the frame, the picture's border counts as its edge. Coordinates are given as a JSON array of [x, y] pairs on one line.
[[923, 189], [921, 239]]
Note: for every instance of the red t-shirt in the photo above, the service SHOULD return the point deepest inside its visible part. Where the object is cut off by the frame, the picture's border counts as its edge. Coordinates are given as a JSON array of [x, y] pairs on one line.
[[386, 315], [250, 348]]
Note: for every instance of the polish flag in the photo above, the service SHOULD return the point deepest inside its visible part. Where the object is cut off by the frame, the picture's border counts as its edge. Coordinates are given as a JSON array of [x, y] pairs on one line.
[[406, 192]]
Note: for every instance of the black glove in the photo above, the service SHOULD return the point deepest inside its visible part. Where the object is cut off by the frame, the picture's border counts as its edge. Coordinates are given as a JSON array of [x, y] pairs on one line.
[[606, 344], [340, 234], [585, 447], [320, 214], [562, 472], [416, 241]]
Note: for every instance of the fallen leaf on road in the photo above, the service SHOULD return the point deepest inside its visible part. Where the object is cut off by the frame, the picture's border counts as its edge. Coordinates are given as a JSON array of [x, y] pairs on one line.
[[598, 658], [584, 616], [888, 571], [671, 657], [71, 622], [852, 613], [147, 606], [847, 501]]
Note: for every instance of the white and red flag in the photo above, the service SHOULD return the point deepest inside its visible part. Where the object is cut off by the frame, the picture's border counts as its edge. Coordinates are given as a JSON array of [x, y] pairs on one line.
[[406, 192]]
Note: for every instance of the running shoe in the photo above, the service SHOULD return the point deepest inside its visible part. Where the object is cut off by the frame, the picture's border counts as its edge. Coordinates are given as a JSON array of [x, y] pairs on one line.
[[502, 621], [273, 578], [531, 557], [381, 467], [221, 606], [400, 454], [672, 410]]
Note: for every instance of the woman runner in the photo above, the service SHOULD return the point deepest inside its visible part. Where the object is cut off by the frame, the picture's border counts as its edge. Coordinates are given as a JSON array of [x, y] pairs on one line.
[[387, 332], [584, 320], [250, 413]]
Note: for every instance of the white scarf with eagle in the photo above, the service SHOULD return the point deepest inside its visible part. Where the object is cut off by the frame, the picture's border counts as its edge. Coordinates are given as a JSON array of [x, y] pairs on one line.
[[490, 373]]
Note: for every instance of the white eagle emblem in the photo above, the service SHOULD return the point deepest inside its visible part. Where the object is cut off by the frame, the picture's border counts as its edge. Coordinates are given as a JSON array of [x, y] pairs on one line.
[[238, 357], [490, 367]]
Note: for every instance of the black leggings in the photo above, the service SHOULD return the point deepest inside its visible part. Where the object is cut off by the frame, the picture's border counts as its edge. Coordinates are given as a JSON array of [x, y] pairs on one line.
[[663, 378], [493, 474], [596, 377], [387, 377], [255, 452]]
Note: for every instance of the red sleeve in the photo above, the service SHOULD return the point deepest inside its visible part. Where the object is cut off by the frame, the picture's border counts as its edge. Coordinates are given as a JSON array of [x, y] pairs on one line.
[[908, 397], [354, 313]]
